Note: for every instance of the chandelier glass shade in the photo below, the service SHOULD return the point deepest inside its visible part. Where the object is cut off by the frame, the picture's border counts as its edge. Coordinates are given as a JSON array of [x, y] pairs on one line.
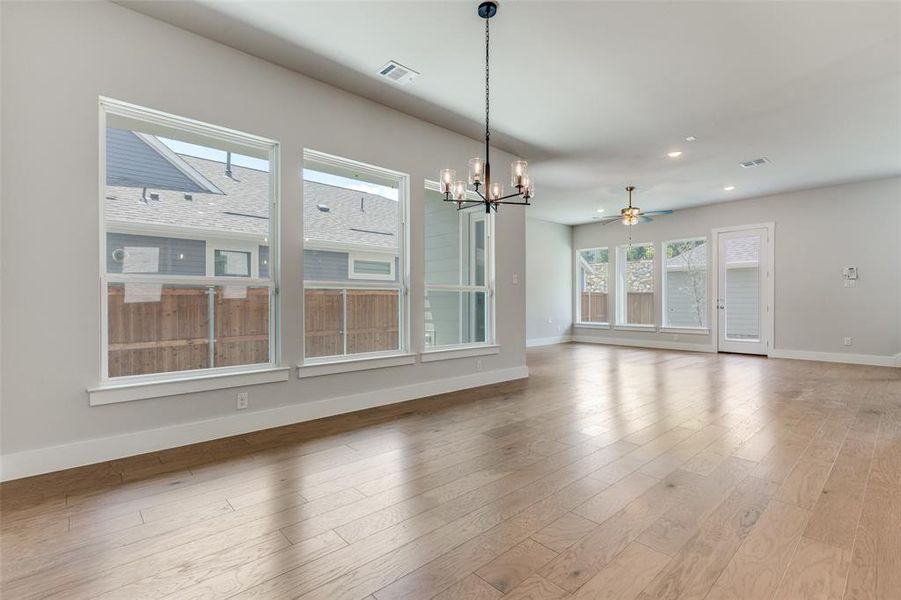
[[479, 181]]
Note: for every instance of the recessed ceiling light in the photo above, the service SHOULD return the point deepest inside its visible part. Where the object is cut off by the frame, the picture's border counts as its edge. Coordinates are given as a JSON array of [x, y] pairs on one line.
[[729, 188], [674, 154], [600, 210], [690, 138]]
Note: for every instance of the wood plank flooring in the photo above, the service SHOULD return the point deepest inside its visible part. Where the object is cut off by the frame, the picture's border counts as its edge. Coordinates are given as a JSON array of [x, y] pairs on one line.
[[611, 473]]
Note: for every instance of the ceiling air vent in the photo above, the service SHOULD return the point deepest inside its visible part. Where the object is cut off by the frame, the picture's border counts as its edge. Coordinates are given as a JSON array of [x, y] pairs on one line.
[[397, 73], [757, 162]]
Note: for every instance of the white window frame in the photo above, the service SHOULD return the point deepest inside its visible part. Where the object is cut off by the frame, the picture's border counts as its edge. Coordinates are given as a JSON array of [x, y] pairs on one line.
[[319, 365], [111, 389], [577, 298], [489, 346], [621, 288], [665, 327], [231, 246], [353, 257]]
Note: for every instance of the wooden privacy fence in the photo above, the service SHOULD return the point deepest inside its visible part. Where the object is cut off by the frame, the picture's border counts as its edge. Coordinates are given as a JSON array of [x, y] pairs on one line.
[[594, 307], [371, 318], [173, 334], [640, 308]]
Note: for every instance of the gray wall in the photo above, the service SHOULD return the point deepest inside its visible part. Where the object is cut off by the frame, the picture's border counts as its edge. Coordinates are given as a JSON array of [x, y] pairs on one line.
[[818, 232], [86, 49], [549, 279]]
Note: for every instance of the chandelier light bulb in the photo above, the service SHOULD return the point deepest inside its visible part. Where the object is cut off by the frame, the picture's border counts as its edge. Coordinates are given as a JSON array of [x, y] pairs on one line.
[[476, 171], [518, 173], [528, 188], [446, 177], [459, 191], [497, 190]]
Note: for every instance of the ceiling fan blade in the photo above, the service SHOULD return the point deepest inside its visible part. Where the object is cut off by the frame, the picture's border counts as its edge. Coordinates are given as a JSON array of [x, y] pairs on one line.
[[657, 212], [644, 219], [613, 220]]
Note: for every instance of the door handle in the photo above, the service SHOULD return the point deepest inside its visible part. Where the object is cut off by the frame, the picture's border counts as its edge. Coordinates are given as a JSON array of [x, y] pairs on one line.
[[720, 303]]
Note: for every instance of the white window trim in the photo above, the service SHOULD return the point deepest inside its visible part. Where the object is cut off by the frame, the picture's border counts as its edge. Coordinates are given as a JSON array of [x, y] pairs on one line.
[[171, 383], [352, 257], [488, 288], [402, 285], [577, 290], [458, 351], [185, 382], [353, 362], [686, 330], [664, 328], [232, 246], [633, 327]]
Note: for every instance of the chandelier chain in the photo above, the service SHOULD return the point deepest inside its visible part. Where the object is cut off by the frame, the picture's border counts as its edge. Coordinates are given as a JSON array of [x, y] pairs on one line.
[[487, 82]]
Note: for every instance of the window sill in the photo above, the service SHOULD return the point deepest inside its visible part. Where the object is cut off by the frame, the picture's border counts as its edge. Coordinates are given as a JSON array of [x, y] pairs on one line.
[[592, 325], [458, 352], [686, 330], [650, 328], [111, 393], [347, 365]]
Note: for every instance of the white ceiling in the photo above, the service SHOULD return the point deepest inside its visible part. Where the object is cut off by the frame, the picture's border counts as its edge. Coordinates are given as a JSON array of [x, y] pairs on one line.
[[595, 94]]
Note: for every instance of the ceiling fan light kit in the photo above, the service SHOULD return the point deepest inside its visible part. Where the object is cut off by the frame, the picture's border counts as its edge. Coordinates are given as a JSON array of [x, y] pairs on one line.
[[632, 215], [490, 191]]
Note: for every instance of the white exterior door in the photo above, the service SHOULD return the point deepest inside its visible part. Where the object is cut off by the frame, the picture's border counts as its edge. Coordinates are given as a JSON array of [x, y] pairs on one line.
[[743, 279]]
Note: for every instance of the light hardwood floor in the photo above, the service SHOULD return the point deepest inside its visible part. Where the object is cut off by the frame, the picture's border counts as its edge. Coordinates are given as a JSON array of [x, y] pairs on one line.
[[609, 473]]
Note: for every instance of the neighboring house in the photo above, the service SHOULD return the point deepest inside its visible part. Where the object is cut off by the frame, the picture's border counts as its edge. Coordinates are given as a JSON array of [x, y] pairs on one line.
[[176, 214], [686, 288]]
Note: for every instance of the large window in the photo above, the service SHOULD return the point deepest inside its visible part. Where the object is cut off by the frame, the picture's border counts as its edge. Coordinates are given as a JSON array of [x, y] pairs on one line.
[[355, 287], [458, 274], [188, 215], [593, 285], [685, 283], [635, 265]]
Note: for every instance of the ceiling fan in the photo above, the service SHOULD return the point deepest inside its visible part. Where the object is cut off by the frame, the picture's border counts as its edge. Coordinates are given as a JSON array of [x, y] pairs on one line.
[[632, 215]]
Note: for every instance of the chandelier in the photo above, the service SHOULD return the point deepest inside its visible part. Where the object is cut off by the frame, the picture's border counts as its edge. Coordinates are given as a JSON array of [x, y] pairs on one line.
[[490, 191]]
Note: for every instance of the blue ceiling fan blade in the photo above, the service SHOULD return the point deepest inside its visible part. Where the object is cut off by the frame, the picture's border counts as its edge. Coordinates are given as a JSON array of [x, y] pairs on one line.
[[658, 212]]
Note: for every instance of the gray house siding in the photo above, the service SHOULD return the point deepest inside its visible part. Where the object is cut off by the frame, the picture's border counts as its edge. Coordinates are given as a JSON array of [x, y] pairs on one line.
[[176, 256], [324, 265], [130, 162], [264, 261]]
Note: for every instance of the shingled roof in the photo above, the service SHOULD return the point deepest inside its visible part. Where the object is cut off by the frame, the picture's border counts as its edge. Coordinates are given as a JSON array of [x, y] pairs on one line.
[[333, 215]]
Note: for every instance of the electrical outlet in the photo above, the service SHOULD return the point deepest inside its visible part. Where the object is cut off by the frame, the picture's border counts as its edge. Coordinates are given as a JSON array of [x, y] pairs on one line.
[[516, 279], [243, 400], [847, 341], [479, 365]]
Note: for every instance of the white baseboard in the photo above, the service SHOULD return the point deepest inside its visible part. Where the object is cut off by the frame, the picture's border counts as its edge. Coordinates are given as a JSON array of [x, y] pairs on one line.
[[76, 454], [655, 344], [548, 341], [839, 357]]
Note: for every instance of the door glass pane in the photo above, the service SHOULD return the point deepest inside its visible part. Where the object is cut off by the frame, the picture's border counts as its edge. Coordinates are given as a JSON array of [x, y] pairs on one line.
[[372, 320], [454, 317], [743, 288]]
